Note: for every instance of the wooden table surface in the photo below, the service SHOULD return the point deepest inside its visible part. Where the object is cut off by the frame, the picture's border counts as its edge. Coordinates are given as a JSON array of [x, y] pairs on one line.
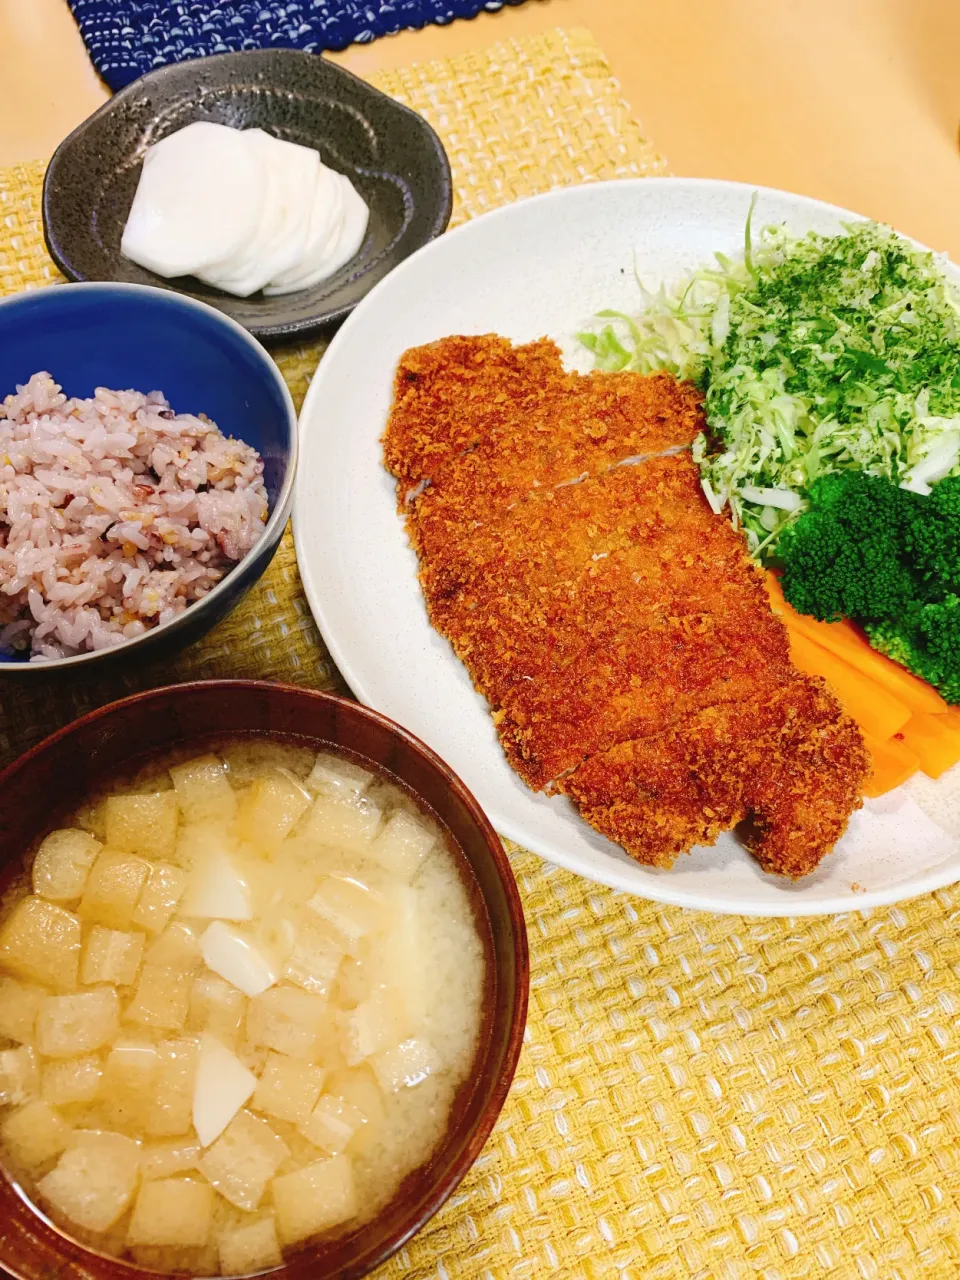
[[852, 101]]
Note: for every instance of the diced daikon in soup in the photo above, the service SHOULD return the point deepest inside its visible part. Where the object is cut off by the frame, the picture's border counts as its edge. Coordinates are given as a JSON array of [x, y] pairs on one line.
[[238, 994]]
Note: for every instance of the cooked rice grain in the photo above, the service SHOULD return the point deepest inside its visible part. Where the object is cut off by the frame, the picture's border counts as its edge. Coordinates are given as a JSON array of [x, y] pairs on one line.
[[116, 514]]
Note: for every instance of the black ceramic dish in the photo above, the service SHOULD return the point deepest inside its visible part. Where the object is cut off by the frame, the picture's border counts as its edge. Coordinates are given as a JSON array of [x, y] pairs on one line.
[[391, 155]]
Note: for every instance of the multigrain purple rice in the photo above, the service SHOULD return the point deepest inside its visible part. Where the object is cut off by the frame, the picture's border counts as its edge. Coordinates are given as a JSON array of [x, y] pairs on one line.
[[116, 514]]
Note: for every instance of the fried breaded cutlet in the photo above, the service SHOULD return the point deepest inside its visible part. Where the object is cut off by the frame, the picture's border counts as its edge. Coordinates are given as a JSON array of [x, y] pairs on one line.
[[616, 626]]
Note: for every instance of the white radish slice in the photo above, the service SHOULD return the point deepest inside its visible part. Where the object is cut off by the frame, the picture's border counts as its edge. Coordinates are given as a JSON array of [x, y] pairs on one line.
[[356, 216], [325, 221], [239, 273], [198, 200], [281, 242], [294, 280]]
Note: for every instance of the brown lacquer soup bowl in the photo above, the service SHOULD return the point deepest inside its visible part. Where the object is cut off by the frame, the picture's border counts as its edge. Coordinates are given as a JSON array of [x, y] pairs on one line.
[[44, 786]]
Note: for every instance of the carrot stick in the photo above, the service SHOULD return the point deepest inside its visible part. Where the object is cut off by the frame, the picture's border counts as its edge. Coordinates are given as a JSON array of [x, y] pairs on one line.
[[877, 712], [846, 641], [935, 740], [893, 763]]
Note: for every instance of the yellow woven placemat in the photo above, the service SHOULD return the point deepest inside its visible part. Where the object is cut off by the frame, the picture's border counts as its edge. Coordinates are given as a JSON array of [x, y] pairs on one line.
[[699, 1097]]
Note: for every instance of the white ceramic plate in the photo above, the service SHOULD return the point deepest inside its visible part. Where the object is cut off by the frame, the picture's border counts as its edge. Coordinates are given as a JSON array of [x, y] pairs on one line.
[[543, 266]]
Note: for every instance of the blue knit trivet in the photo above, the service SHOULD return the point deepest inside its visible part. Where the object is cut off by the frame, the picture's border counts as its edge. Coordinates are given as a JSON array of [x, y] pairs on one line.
[[125, 38]]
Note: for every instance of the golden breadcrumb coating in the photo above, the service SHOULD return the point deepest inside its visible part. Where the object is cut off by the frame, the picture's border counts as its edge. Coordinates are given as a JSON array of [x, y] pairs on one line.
[[617, 627], [785, 767]]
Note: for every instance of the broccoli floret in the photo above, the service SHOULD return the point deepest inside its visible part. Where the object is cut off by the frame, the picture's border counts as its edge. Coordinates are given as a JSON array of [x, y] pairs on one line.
[[888, 558], [932, 539], [926, 642], [844, 557]]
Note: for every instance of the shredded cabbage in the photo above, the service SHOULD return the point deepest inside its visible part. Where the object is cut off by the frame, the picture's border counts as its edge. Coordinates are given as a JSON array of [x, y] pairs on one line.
[[816, 354]]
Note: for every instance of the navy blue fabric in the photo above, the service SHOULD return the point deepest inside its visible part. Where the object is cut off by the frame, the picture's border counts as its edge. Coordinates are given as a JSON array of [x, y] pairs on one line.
[[126, 38]]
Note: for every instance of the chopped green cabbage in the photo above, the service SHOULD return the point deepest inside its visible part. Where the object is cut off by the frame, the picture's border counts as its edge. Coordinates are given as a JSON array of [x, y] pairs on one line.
[[816, 354]]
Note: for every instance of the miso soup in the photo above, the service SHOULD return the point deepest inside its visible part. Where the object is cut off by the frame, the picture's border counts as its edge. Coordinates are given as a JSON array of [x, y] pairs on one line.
[[238, 994]]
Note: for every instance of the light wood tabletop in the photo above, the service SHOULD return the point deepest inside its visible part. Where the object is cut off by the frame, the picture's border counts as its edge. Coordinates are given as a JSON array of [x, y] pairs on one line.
[[852, 101]]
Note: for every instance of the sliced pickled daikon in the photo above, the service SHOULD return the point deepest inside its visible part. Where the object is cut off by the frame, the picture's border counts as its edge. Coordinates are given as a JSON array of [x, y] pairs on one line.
[[198, 201], [342, 246], [240, 274], [292, 174], [356, 216], [326, 220]]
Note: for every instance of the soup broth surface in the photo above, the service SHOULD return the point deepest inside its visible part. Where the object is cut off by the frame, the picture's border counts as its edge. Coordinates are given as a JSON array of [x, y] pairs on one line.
[[238, 995]]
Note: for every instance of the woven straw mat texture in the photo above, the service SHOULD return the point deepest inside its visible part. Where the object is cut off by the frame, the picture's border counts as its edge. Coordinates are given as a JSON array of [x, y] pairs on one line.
[[699, 1097]]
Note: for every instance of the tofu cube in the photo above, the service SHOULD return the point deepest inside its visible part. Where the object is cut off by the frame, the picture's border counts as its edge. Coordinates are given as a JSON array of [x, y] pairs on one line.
[[19, 1005], [144, 824], [314, 1199], [164, 888], [201, 1260], [354, 910], [203, 791], [34, 1134], [341, 824], [314, 961], [171, 1111], [41, 941], [248, 759], [91, 817], [111, 955], [376, 1024], [288, 1088], [338, 779], [73, 1080], [406, 1064], [275, 931], [356, 980], [196, 838], [71, 1025], [95, 1179], [177, 947], [398, 961], [249, 1247], [129, 1080], [173, 1212], [358, 1087], [243, 1160], [402, 845], [216, 1007], [166, 1159], [332, 1124], [162, 998], [148, 1087], [289, 1021], [216, 890], [252, 1056], [19, 1076], [113, 889], [63, 863], [270, 809], [283, 915]]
